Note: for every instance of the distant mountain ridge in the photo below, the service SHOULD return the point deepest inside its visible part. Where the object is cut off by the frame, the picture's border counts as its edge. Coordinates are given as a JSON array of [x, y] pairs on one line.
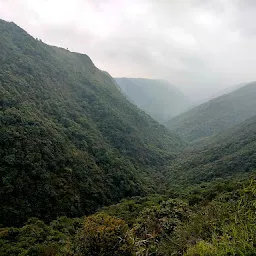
[[217, 114], [158, 98]]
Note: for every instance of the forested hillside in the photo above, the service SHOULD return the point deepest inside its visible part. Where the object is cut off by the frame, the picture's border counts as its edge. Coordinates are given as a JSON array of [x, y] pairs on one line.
[[230, 153], [70, 141], [208, 220], [158, 98], [84, 172], [217, 114]]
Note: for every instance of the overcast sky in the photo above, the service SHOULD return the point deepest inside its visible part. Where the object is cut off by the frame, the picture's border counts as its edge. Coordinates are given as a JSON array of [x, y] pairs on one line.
[[200, 46]]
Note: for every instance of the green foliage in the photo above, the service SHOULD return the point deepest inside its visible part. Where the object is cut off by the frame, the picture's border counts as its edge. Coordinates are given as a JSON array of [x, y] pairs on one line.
[[232, 229], [129, 209], [223, 226], [37, 238], [155, 225], [217, 114], [70, 141], [158, 98], [223, 155], [103, 235]]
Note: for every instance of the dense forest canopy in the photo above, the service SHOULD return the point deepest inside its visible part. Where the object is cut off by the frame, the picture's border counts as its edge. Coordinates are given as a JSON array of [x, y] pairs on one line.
[[70, 141], [215, 218], [223, 155], [84, 172]]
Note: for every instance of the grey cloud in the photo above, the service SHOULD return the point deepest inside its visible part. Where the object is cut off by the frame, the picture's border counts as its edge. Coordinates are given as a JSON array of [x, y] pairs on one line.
[[200, 46]]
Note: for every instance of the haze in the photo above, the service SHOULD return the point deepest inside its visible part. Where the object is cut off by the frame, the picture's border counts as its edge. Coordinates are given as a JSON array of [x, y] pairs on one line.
[[200, 46]]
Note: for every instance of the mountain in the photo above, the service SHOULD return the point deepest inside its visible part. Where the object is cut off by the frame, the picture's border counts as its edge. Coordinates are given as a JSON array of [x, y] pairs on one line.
[[217, 114], [226, 91], [158, 98], [226, 154], [219, 93], [70, 141]]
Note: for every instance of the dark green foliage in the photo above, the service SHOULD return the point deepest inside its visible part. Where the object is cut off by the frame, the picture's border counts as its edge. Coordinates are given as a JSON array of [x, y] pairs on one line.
[[70, 141], [157, 224], [129, 209], [216, 115], [158, 98], [203, 193], [103, 235], [36, 238], [230, 153], [223, 225]]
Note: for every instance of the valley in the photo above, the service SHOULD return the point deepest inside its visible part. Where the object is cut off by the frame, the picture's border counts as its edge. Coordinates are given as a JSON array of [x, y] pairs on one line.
[[96, 165]]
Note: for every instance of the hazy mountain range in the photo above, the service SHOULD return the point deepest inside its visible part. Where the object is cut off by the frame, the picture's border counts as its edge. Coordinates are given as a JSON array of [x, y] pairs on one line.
[[158, 98]]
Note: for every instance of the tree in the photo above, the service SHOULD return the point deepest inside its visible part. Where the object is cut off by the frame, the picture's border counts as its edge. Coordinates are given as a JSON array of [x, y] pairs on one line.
[[103, 235]]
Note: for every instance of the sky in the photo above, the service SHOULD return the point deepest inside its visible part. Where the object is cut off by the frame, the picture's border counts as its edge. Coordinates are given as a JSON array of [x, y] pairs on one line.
[[200, 46]]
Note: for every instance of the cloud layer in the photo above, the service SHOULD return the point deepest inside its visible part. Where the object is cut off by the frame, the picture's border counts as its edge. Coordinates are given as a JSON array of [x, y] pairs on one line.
[[200, 46]]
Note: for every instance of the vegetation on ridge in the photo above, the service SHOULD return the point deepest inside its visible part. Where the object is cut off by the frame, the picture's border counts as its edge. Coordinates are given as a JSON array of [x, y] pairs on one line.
[[72, 145], [216, 115], [216, 223], [70, 141], [223, 155]]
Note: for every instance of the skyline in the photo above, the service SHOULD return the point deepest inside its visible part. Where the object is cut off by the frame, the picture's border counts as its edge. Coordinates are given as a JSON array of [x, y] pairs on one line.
[[201, 47]]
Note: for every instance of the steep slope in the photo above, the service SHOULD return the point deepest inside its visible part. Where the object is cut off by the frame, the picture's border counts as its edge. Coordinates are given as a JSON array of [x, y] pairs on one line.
[[158, 98], [70, 141], [227, 91], [217, 114], [229, 153]]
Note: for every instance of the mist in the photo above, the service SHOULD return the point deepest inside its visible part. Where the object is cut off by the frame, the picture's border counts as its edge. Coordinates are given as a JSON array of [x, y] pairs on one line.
[[202, 47]]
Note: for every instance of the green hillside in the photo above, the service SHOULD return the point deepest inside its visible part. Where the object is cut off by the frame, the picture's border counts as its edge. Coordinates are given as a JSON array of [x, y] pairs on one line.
[[217, 219], [70, 141], [158, 98], [83, 171], [230, 153], [217, 114]]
